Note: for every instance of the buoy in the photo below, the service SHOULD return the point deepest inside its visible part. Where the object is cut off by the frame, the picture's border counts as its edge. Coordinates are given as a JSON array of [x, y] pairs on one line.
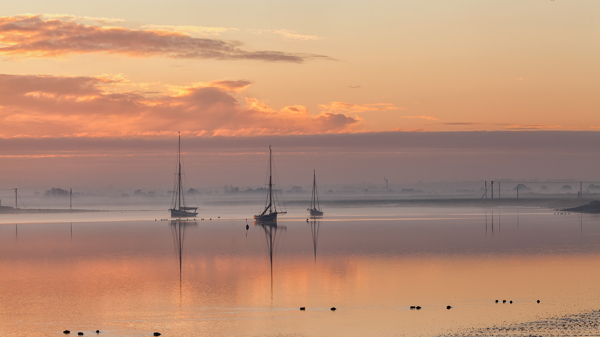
[[302, 308], [333, 308], [68, 332], [247, 226], [448, 307], [219, 217], [210, 219], [538, 301]]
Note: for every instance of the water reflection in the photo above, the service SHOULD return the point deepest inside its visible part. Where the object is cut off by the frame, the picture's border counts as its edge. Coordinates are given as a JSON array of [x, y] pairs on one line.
[[314, 230], [270, 229], [178, 228]]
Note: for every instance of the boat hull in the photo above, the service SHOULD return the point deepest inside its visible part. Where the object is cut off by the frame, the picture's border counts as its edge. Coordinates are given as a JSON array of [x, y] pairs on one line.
[[314, 212], [266, 217], [177, 213]]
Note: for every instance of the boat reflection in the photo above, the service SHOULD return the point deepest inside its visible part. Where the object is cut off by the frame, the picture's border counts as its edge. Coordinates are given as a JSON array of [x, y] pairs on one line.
[[178, 229], [270, 229], [314, 230]]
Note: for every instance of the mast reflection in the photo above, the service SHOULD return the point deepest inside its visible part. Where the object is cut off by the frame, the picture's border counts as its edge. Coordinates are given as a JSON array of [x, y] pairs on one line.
[[270, 229], [178, 229], [314, 230]]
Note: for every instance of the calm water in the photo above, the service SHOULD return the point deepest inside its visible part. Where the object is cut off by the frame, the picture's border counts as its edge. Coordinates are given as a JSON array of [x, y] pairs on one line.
[[131, 277]]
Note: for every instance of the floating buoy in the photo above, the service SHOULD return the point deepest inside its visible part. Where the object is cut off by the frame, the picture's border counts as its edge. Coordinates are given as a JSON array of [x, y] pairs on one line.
[[302, 308], [210, 219], [219, 217], [80, 333], [448, 307], [66, 332], [333, 308], [538, 301]]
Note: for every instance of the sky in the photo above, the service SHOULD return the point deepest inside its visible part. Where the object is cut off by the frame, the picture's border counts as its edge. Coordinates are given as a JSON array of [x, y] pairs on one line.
[[83, 82]]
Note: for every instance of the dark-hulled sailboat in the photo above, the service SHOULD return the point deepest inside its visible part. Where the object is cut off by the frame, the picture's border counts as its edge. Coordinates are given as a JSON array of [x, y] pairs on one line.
[[270, 212], [315, 208], [179, 208]]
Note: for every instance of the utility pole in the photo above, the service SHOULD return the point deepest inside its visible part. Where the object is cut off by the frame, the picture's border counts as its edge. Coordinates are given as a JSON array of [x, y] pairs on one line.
[[581, 189], [498, 190], [485, 193], [16, 195], [70, 198], [492, 190]]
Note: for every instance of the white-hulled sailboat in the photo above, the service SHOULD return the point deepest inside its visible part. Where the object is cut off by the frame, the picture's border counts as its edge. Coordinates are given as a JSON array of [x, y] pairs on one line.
[[315, 208], [179, 208], [270, 212]]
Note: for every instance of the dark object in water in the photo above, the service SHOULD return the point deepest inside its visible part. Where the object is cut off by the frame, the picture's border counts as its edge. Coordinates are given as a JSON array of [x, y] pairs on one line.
[[448, 307], [510, 302], [302, 308], [496, 301], [412, 307], [157, 334], [418, 307], [592, 207], [97, 331], [538, 301], [503, 301], [247, 226], [66, 332], [333, 308], [80, 333]]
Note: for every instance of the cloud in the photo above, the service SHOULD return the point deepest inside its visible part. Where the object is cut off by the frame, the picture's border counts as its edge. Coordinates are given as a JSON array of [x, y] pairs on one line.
[[357, 108], [190, 29], [35, 36], [288, 34], [422, 117], [58, 106], [354, 86], [534, 127], [462, 123]]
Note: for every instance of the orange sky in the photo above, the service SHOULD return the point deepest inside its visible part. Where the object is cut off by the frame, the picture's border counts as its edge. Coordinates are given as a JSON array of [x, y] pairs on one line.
[[75, 71]]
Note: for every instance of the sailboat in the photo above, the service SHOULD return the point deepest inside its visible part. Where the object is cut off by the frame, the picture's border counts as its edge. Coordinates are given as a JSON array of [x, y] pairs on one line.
[[179, 207], [315, 208], [270, 212]]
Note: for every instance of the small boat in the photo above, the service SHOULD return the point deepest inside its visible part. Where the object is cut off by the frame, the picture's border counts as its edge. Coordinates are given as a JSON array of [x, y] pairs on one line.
[[315, 208], [179, 207], [270, 212]]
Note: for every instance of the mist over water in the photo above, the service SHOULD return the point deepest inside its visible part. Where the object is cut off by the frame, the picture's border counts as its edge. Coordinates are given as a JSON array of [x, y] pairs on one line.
[[129, 274]]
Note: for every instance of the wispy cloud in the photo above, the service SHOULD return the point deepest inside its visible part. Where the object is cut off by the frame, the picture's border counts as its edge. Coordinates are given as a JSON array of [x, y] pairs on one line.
[[354, 86], [56, 106], [36, 36], [190, 29], [287, 34], [422, 117], [461, 123], [533, 127], [357, 108]]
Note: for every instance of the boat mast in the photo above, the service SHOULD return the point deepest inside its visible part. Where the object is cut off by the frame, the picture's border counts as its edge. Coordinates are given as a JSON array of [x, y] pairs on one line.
[[179, 173], [270, 182], [313, 199]]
